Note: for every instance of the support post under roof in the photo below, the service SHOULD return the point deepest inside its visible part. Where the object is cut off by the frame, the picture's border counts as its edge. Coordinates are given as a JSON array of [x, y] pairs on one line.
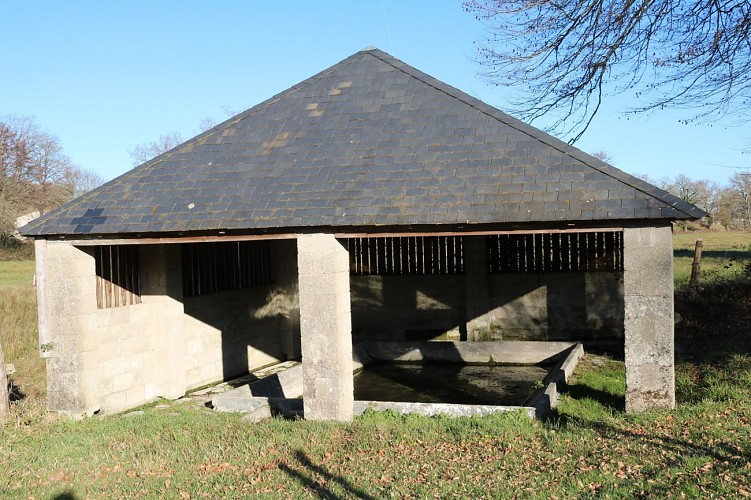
[[648, 318], [325, 327]]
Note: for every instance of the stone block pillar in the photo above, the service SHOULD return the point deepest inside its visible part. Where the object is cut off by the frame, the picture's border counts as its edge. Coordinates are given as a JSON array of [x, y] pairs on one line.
[[476, 286], [648, 317], [325, 327]]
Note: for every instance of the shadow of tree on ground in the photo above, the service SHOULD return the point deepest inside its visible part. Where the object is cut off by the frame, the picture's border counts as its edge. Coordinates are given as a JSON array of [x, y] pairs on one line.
[[317, 479]]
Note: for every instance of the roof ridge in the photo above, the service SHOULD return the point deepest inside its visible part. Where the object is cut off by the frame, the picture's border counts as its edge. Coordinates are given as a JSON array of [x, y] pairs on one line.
[[530, 131]]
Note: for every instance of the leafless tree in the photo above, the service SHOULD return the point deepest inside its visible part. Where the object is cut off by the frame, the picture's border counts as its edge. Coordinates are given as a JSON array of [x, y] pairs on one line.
[[740, 194], [703, 193], [145, 152], [568, 55], [82, 181], [35, 173], [603, 155]]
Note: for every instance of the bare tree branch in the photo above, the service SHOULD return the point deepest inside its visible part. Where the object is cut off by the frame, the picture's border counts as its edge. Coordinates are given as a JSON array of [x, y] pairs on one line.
[[692, 54], [149, 150]]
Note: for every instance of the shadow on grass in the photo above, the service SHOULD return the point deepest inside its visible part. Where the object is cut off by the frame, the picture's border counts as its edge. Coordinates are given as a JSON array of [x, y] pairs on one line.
[[308, 472], [65, 495], [716, 254], [605, 399], [15, 393], [682, 447], [723, 458]]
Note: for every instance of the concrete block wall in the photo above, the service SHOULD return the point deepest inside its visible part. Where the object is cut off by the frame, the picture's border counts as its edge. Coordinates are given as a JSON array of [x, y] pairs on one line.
[[649, 317], [230, 333], [107, 359], [113, 359], [556, 306], [389, 307]]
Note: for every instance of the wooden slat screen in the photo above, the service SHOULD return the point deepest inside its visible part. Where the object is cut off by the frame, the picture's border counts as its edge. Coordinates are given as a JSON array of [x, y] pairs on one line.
[[117, 278], [556, 252], [418, 255], [218, 267]]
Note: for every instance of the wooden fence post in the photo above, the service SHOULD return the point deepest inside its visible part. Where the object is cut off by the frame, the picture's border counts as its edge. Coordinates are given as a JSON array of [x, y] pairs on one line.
[[696, 266]]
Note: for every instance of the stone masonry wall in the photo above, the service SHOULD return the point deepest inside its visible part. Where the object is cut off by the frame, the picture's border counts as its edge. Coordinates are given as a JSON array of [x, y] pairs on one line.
[[116, 358]]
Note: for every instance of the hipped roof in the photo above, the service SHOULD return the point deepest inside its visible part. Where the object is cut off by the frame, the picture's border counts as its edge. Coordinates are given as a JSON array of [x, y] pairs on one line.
[[370, 141]]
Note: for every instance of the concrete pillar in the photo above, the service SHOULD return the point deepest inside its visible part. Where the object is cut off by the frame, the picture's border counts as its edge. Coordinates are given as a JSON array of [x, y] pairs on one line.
[[65, 296], [476, 287], [648, 317], [325, 327]]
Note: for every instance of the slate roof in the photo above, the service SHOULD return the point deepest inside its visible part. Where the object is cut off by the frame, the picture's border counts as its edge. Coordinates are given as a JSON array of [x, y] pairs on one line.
[[371, 141]]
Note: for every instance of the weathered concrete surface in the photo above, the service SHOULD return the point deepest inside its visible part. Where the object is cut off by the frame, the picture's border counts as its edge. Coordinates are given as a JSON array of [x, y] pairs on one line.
[[59, 267], [543, 400], [556, 306], [477, 287], [114, 358], [563, 370], [546, 398], [286, 384], [648, 318], [360, 357], [325, 327], [431, 409], [262, 398], [258, 414], [504, 306], [240, 399], [395, 308], [467, 352]]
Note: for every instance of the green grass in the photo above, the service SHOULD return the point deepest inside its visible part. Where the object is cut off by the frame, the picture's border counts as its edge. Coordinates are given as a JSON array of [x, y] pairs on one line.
[[723, 255], [18, 333], [589, 447], [16, 273]]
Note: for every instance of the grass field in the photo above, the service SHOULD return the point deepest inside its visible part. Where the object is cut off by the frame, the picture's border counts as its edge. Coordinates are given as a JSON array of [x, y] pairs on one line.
[[16, 273], [588, 448], [18, 331], [723, 254]]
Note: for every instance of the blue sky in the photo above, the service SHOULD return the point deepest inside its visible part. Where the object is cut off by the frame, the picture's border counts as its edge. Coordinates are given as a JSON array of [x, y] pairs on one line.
[[107, 76]]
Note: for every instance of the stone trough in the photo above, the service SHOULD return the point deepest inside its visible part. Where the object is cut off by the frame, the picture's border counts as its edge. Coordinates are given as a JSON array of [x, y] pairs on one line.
[[281, 392]]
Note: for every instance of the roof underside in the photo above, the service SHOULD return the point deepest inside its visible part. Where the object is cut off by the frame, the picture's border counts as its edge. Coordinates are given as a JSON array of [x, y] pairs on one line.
[[371, 142]]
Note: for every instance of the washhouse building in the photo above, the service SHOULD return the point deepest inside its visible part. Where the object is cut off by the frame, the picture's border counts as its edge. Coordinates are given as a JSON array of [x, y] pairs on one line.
[[368, 202]]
